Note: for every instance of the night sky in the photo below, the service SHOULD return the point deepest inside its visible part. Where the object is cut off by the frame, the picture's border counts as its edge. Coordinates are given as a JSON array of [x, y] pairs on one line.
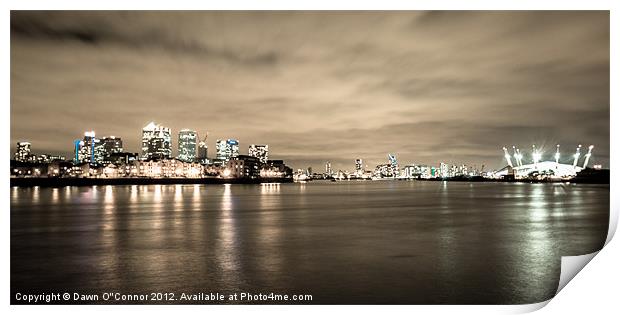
[[316, 86]]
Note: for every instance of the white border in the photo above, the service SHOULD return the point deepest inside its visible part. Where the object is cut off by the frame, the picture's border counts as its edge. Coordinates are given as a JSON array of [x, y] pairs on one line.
[[594, 288]]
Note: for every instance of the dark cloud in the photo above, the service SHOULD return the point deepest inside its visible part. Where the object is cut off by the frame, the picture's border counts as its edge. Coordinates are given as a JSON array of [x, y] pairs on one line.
[[429, 86], [98, 32]]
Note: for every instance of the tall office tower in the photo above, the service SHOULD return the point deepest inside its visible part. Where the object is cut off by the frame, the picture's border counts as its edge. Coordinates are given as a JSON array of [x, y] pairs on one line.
[[187, 145], [156, 142], [77, 151], [227, 149], [89, 150], [203, 151], [394, 165], [443, 170], [358, 166], [111, 145], [23, 151], [328, 168], [260, 151], [220, 149]]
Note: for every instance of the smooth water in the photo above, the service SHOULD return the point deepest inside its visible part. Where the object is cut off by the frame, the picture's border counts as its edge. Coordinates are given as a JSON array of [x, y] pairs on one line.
[[400, 242]]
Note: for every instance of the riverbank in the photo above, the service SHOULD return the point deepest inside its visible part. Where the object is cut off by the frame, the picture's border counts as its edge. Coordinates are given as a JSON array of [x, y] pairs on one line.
[[59, 182]]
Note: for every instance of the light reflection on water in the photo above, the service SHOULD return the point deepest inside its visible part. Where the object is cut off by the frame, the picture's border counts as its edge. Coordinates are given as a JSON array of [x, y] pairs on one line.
[[349, 242]]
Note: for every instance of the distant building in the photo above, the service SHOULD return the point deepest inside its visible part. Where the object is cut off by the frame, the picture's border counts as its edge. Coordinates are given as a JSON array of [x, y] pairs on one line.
[[203, 151], [384, 171], [120, 158], [444, 170], [226, 149], [276, 169], [328, 169], [260, 151], [187, 145], [49, 158], [394, 165], [156, 142], [359, 167], [169, 168], [23, 153], [89, 149], [243, 166], [417, 171], [111, 145]]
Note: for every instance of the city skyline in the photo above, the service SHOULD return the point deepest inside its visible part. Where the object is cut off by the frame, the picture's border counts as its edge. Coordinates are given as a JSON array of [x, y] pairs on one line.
[[426, 86]]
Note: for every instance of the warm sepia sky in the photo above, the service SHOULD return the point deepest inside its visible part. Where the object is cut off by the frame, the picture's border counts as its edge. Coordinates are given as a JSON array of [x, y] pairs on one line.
[[317, 86]]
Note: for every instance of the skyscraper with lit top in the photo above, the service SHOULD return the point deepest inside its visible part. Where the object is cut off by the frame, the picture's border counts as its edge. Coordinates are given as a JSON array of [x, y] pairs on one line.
[[156, 142]]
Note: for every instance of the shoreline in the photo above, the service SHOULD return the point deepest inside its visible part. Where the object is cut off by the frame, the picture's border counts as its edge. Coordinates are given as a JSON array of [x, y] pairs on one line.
[[61, 182]]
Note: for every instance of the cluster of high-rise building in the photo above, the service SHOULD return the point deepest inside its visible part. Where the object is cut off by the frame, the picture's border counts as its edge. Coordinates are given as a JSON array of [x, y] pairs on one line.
[[23, 153], [106, 157], [392, 170]]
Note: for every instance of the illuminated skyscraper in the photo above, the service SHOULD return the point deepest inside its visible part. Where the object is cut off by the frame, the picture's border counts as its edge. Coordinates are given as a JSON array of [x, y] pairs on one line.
[[89, 150], [111, 145], [187, 145], [328, 168], [203, 151], [226, 149], [358, 165], [444, 170], [260, 151], [23, 152], [394, 165], [156, 142]]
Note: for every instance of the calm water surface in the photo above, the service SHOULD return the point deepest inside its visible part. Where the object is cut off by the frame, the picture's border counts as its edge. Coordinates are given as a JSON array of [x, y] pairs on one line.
[[348, 242]]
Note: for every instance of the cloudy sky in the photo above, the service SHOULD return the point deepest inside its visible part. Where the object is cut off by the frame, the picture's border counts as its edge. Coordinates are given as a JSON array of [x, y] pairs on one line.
[[318, 86]]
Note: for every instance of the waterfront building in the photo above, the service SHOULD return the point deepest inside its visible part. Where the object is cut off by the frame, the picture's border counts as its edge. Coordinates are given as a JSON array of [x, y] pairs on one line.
[[384, 171], [260, 151], [169, 168], [411, 171], [49, 158], [226, 149], [275, 169], [120, 158], [112, 171], [187, 145], [243, 166], [156, 142], [23, 153]]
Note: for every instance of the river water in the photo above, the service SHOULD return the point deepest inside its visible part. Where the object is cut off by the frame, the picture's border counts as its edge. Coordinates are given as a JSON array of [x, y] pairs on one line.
[[373, 242]]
